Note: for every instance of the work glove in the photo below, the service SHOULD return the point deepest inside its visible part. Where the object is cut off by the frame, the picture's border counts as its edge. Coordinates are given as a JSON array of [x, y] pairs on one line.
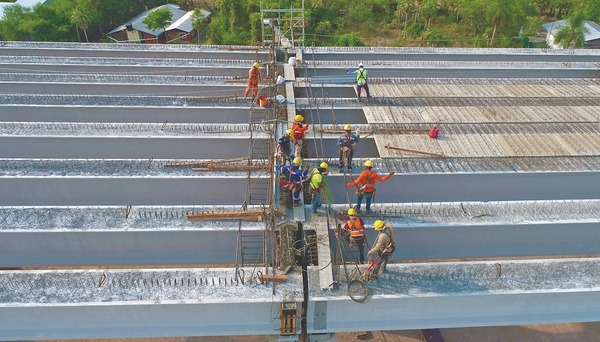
[[346, 70]]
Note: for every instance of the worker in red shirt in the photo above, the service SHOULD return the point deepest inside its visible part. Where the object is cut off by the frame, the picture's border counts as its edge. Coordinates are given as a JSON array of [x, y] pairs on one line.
[[366, 185], [253, 78], [355, 227], [299, 128]]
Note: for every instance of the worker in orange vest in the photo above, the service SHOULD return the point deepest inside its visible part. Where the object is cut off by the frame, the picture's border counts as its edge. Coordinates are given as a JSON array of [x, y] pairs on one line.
[[365, 184], [299, 128], [253, 78], [355, 227]]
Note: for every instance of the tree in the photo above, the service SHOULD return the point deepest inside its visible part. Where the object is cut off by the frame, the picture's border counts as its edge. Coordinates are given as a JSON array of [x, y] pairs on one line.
[[498, 12], [81, 21], [198, 22], [158, 19], [573, 32]]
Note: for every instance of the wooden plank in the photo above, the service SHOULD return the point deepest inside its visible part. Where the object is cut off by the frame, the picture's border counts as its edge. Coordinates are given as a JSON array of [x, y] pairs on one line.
[[471, 145], [531, 145], [580, 144]]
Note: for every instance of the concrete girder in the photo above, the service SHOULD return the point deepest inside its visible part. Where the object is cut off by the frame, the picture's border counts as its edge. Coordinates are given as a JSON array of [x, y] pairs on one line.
[[143, 303], [93, 245], [82, 191], [439, 311], [135, 51], [116, 69], [190, 90], [85, 247], [492, 186], [119, 147], [454, 54], [123, 114], [460, 72]]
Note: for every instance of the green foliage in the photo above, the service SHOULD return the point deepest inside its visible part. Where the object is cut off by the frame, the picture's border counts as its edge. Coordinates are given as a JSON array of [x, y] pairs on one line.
[[573, 32], [158, 19], [350, 39], [415, 30], [480, 23], [434, 37]]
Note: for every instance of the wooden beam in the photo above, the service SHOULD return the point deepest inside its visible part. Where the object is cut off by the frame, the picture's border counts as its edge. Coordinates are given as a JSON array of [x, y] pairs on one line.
[[232, 167], [377, 130], [437, 155], [200, 163], [253, 216], [279, 278]]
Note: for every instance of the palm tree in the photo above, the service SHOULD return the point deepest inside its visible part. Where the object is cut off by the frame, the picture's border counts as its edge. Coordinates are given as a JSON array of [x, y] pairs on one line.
[[573, 32], [499, 12], [81, 21]]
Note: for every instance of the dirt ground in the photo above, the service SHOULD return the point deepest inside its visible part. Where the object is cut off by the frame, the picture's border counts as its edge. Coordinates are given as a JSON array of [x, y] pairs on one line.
[[572, 332]]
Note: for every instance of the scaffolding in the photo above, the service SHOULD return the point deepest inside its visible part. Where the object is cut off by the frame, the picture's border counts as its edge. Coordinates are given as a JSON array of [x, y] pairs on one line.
[[283, 28]]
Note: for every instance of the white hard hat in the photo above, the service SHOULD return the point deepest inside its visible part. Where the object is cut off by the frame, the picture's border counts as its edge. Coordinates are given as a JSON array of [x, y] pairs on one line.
[[360, 65]]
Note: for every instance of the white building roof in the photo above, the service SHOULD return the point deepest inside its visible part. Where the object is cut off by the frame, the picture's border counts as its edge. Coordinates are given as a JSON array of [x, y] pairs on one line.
[[593, 30], [137, 21], [185, 22]]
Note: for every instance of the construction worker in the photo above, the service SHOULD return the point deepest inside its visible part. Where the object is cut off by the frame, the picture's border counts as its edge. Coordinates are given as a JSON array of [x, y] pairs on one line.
[[361, 80], [384, 246], [365, 183], [355, 227], [317, 182], [296, 176], [346, 143], [253, 79], [299, 128], [283, 151]]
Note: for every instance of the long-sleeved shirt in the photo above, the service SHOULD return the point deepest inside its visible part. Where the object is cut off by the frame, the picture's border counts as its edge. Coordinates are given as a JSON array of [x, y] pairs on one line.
[[296, 173], [299, 130], [384, 238], [366, 180], [284, 144], [347, 139]]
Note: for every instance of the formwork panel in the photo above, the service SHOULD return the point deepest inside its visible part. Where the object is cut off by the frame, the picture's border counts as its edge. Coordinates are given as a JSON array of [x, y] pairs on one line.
[[378, 115], [531, 145], [483, 90], [406, 114], [471, 145], [580, 144]]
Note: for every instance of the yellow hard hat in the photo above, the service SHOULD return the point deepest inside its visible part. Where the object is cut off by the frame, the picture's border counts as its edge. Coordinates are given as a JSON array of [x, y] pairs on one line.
[[324, 165], [347, 127], [289, 132], [299, 118], [369, 163], [256, 65], [378, 224], [351, 212], [297, 161]]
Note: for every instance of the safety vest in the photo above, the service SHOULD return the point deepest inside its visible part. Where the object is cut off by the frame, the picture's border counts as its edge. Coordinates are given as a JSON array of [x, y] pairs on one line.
[[315, 178], [361, 77], [369, 182], [356, 228]]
